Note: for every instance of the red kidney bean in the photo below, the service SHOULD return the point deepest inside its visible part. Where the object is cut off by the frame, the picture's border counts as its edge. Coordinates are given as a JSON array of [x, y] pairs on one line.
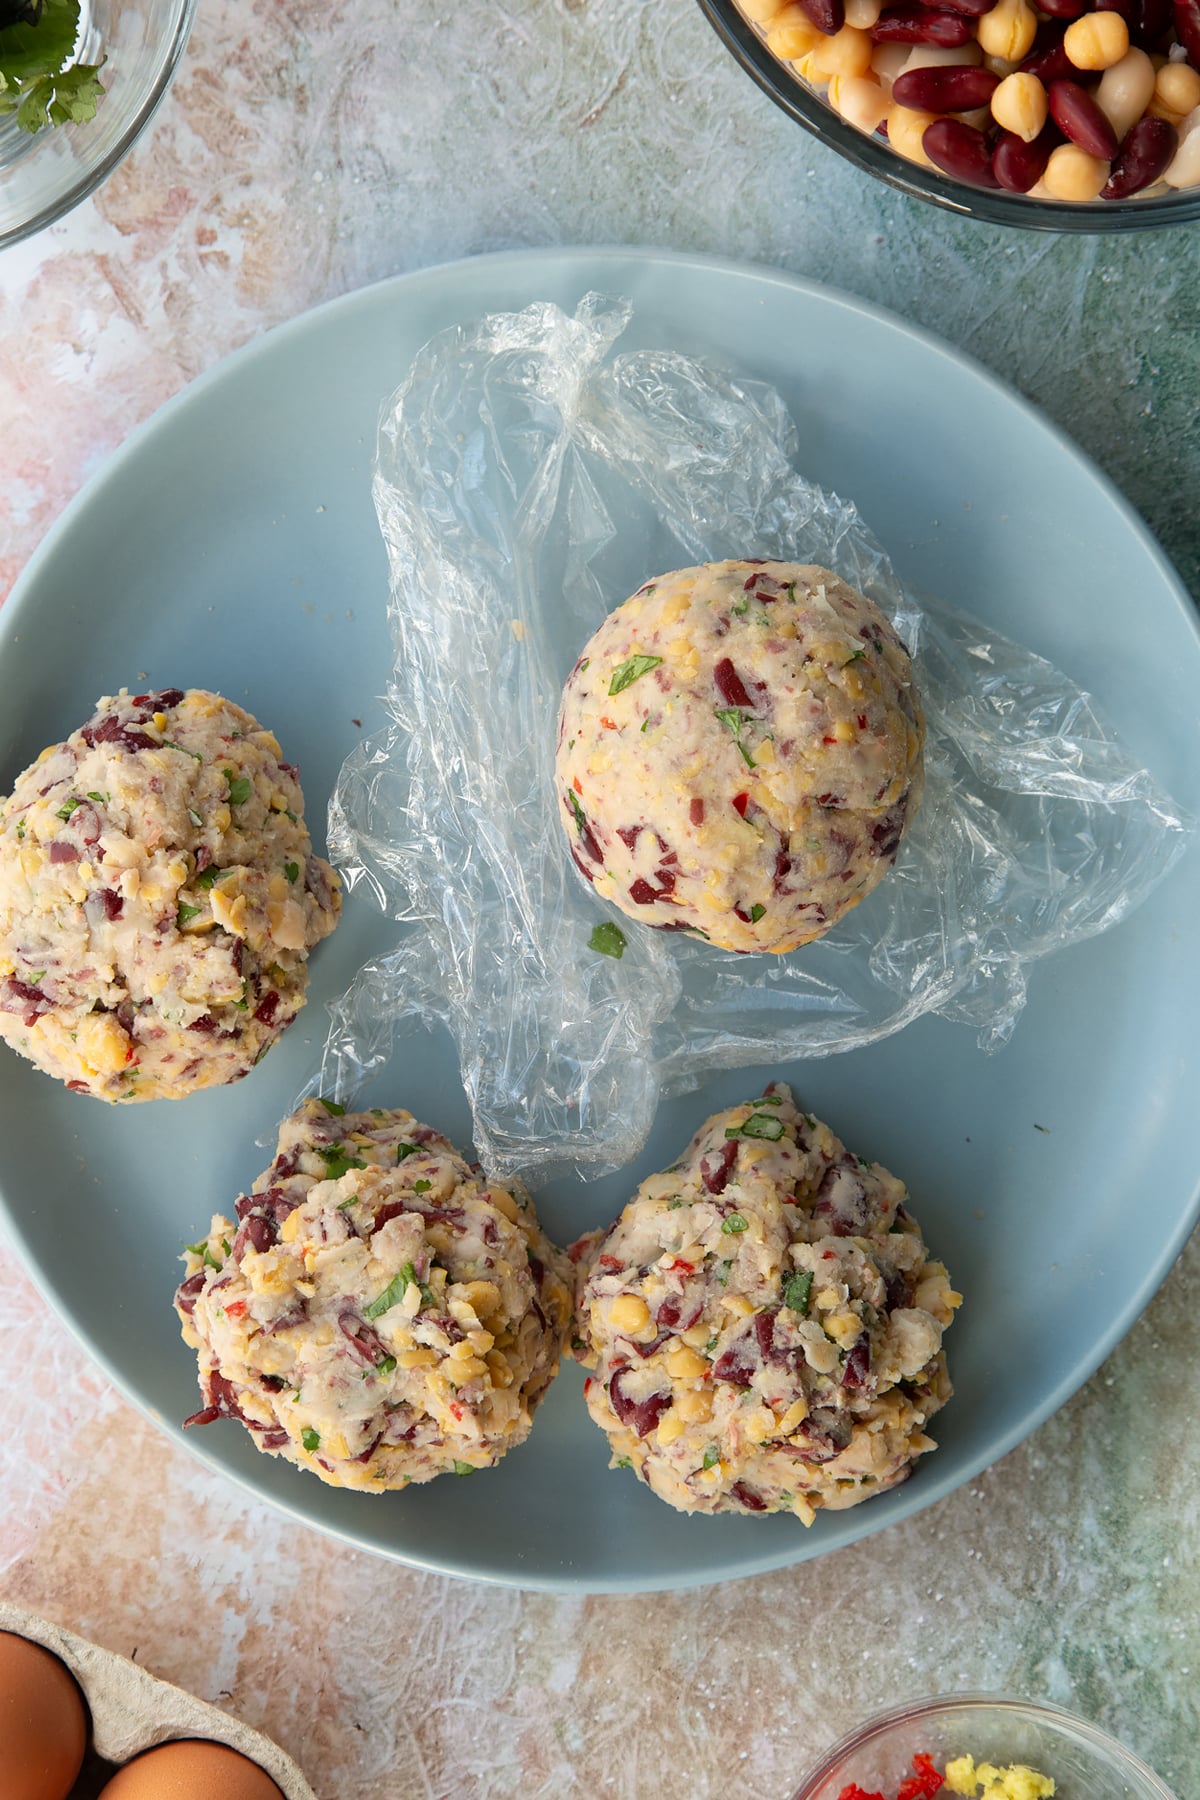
[[1147, 148], [1048, 59], [971, 9], [1018, 166], [959, 150], [1065, 9], [1080, 119], [827, 15], [1187, 28], [1151, 24], [922, 25], [945, 90]]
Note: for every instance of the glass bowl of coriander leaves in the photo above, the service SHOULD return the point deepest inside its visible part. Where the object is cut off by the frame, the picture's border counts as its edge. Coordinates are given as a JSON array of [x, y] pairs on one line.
[[79, 80]]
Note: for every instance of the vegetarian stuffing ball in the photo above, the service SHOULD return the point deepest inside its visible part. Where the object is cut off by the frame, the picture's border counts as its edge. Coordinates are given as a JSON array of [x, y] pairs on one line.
[[380, 1314], [739, 753], [158, 899], [763, 1322]]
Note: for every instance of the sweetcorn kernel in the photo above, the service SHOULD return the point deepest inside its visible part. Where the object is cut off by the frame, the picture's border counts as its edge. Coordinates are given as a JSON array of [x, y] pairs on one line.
[[686, 1365], [629, 1312]]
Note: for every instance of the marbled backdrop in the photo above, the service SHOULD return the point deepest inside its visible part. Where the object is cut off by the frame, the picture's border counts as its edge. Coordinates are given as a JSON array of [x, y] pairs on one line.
[[306, 149]]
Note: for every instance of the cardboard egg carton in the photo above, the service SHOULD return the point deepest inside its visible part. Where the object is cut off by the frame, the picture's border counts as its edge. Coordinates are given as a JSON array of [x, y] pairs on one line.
[[134, 1711]]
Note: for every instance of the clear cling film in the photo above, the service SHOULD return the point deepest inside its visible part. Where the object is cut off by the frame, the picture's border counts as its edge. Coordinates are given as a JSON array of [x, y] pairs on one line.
[[530, 474]]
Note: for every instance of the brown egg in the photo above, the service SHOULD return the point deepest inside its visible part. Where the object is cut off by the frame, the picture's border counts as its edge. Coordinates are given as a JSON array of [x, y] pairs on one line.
[[191, 1770], [43, 1722]]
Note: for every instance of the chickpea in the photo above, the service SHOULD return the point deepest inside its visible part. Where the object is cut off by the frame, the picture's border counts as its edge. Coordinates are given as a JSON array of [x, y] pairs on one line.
[[793, 34], [1019, 104], [1008, 30], [847, 52], [860, 100], [1071, 174], [1096, 41], [1177, 87], [906, 128]]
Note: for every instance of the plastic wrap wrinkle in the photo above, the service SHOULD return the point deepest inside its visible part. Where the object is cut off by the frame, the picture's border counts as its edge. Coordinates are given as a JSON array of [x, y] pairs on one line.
[[528, 478]]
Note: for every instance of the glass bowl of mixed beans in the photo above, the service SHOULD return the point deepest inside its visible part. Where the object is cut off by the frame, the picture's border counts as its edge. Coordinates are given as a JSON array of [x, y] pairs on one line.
[[1076, 115], [978, 1745]]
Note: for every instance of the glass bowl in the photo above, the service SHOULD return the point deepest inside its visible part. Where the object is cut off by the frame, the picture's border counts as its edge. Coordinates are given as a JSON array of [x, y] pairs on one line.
[[807, 107], [1085, 1764], [43, 175]]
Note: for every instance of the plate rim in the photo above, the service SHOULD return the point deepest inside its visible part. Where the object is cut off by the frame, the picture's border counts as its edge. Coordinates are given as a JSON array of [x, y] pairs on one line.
[[930, 1486]]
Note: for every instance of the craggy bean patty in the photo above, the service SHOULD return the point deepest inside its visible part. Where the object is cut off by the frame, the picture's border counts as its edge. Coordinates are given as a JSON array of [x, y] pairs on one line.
[[739, 752], [158, 899], [381, 1314], [764, 1322]]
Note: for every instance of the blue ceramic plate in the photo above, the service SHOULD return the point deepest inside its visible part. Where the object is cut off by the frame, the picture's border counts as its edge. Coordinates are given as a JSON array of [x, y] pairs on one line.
[[232, 544]]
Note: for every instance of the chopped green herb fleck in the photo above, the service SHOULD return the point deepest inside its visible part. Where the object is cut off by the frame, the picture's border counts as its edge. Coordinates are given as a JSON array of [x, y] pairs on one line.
[[712, 1456], [239, 787], [797, 1290], [623, 1462], [608, 940], [392, 1294], [404, 1151], [769, 1100], [630, 671], [674, 1205], [332, 1106], [758, 1125], [310, 1439], [242, 1004], [289, 814], [211, 1260], [208, 876], [225, 1245], [195, 755], [292, 871], [68, 807], [101, 798], [184, 912], [711, 1344], [740, 607], [723, 1272], [337, 1162], [733, 720], [756, 912], [645, 724], [422, 1187], [386, 1365], [20, 829], [735, 1223], [580, 816], [196, 1249], [464, 1468], [859, 656]]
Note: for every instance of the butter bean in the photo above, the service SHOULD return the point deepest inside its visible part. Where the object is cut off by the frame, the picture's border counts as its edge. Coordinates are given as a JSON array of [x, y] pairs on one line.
[[1125, 90]]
